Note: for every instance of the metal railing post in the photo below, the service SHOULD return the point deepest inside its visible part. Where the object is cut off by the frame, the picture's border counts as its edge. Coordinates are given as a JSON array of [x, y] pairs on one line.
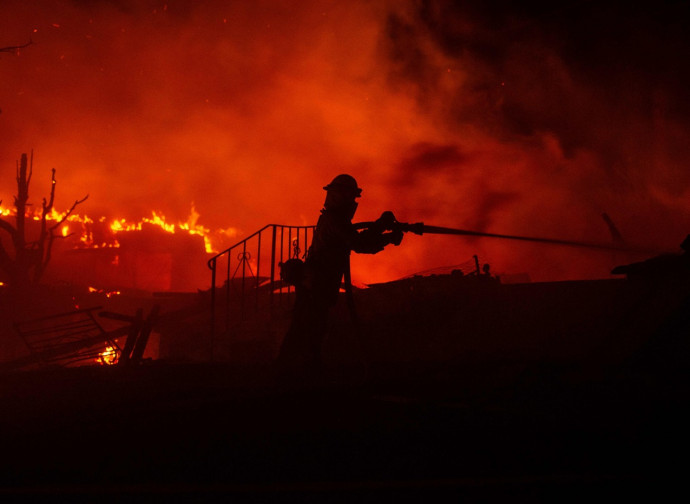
[[280, 293], [301, 241], [244, 276], [273, 267], [212, 265], [227, 296], [258, 272]]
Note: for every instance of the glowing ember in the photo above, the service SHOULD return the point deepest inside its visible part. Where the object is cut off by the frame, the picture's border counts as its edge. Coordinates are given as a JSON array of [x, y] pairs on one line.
[[108, 357]]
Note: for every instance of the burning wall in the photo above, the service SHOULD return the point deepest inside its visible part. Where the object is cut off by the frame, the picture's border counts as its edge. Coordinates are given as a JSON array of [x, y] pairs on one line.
[[148, 258], [524, 119]]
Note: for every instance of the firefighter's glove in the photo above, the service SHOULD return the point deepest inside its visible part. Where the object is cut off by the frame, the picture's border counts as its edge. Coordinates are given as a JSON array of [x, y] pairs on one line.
[[386, 222], [395, 237]]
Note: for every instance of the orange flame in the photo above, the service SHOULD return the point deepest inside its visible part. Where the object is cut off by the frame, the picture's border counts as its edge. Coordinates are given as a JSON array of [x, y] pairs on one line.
[[156, 219], [109, 356], [108, 294], [86, 237]]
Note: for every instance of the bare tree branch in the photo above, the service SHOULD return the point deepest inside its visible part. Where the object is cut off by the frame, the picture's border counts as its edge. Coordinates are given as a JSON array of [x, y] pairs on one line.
[[47, 207], [48, 255], [16, 48], [78, 202], [8, 227], [49, 233], [6, 262], [52, 188], [31, 169]]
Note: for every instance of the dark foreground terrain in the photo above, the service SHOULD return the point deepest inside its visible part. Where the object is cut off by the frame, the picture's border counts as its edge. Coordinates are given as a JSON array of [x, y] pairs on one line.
[[516, 432], [456, 386]]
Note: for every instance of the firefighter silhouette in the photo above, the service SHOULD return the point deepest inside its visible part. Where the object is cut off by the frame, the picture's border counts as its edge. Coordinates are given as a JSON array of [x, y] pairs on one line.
[[318, 280]]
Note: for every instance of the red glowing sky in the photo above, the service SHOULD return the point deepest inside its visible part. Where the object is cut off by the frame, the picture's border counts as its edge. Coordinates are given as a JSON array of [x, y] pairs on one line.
[[494, 118]]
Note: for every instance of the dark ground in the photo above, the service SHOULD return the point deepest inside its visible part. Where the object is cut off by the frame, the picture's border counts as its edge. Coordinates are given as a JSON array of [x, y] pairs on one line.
[[529, 393], [414, 432]]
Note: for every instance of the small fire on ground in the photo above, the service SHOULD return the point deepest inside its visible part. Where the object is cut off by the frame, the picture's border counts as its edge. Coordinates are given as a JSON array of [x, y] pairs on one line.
[[108, 294], [109, 356]]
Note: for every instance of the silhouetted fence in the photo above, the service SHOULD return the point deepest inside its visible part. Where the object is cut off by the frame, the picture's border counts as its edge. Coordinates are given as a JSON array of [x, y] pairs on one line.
[[239, 269]]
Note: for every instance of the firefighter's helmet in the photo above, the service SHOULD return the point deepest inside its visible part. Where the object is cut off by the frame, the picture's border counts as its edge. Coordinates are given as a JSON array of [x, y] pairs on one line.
[[346, 184]]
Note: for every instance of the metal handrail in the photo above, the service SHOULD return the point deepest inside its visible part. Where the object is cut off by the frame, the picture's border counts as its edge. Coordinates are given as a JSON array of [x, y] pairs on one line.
[[298, 244]]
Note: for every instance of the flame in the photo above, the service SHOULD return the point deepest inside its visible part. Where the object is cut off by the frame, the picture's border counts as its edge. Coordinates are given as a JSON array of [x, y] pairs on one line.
[[109, 356], [118, 226], [193, 228], [158, 219], [121, 225], [108, 294]]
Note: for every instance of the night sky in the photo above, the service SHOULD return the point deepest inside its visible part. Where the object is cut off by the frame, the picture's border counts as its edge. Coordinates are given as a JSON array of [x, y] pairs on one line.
[[526, 119]]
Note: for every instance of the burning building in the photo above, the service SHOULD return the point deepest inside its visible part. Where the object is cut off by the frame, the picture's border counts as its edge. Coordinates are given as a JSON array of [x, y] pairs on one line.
[[148, 259], [148, 256]]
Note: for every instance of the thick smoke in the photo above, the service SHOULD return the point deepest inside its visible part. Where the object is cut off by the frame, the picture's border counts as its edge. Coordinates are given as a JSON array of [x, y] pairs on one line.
[[486, 116]]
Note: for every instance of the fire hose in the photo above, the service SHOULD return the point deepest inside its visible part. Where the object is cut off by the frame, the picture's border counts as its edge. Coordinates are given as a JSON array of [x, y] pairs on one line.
[[387, 222], [292, 270]]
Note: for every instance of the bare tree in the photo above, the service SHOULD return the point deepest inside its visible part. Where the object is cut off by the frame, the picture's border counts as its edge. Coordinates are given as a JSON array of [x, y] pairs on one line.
[[30, 258]]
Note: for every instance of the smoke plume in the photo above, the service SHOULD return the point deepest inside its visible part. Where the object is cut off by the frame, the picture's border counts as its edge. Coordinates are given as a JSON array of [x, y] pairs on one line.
[[487, 116]]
